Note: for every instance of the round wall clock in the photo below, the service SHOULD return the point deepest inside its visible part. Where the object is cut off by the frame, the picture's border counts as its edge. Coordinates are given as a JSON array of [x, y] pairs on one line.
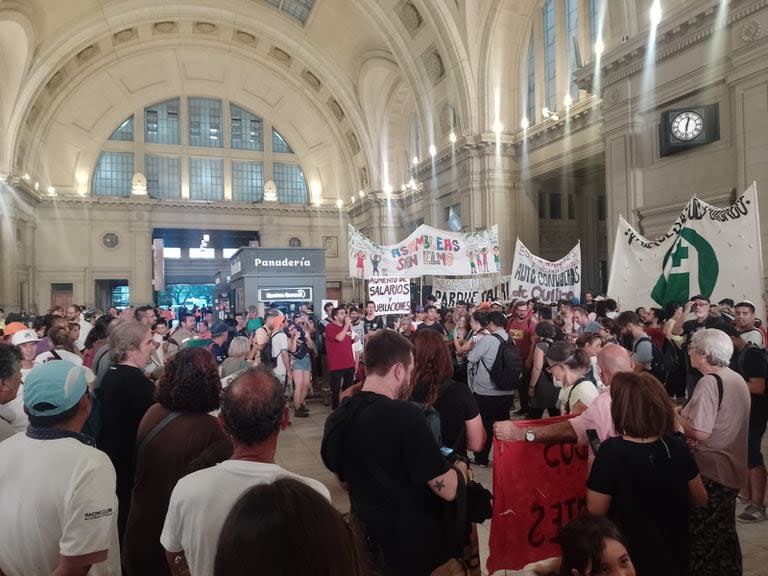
[[110, 240], [687, 125]]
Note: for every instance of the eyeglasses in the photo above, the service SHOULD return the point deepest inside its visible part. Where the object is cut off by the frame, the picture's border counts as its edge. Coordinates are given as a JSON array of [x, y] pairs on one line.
[[552, 367]]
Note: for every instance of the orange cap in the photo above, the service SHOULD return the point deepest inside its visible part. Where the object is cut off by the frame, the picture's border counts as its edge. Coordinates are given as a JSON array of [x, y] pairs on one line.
[[12, 328]]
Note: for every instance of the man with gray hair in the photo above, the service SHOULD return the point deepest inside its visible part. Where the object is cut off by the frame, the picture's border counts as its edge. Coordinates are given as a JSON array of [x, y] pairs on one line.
[[716, 421], [253, 413]]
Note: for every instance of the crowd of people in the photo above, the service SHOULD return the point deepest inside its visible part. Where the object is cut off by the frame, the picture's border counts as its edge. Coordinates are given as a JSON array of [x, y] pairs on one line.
[[143, 442]]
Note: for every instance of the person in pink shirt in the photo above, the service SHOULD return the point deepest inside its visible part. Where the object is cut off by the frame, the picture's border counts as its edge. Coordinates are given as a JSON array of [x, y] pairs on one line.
[[611, 360]]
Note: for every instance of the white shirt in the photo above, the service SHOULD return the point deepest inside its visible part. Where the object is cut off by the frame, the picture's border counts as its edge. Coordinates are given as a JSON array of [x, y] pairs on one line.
[[85, 327], [583, 391], [201, 502], [279, 343], [13, 411], [63, 354], [57, 497]]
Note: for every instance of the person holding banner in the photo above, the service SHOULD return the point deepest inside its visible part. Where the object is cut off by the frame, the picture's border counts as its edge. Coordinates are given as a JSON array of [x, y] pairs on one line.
[[611, 360]]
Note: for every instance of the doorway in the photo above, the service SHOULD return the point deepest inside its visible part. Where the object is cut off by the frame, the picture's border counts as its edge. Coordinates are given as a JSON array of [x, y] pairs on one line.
[[114, 292], [61, 295]]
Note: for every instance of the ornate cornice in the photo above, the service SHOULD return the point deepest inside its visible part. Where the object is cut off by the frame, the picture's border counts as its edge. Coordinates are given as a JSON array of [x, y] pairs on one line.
[[674, 35], [144, 202]]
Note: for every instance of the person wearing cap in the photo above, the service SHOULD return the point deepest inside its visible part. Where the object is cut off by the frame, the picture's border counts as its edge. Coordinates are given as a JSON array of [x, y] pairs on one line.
[[11, 328], [58, 497], [27, 341], [497, 306], [12, 420], [703, 318], [219, 335]]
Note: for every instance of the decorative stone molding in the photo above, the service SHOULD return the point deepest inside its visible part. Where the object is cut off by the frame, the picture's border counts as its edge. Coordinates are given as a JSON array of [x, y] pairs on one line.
[[336, 108], [364, 177], [125, 35], [312, 80], [88, 53], [433, 63], [353, 143], [204, 28], [245, 38], [410, 17], [449, 121], [167, 27], [281, 55], [673, 36], [56, 81], [145, 202], [751, 30]]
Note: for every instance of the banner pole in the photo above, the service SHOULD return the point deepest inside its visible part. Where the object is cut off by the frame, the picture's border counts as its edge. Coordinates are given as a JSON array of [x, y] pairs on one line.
[[421, 290]]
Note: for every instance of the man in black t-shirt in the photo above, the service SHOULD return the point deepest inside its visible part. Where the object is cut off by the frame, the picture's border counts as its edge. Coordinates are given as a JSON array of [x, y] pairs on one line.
[[432, 322], [399, 482], [371, 322], [699, 305], [751, 362]]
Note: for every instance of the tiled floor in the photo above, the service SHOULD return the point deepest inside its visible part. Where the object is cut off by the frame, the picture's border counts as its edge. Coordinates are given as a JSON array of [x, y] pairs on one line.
[[299, 451]]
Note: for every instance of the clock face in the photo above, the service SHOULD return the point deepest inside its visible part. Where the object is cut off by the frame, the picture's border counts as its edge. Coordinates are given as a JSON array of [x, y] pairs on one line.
[[687, 125], [110, 240]]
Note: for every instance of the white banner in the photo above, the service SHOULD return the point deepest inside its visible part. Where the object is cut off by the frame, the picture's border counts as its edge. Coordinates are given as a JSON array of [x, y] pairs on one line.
[[390, 295], [425, 251], [534, 277], [708, 250], [448, 291]]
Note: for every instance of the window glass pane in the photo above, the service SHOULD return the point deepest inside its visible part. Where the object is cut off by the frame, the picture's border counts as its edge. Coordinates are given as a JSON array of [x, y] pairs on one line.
[[206, 179], [594, 20], [572, 33], [555, 206], [205, 122], [247, 181], [296, 9], [163, 176], [246, 130], [161, 122], [171, 252], [207, 253], [229, 252], [550, 67], [530, 104], [113, 174], [124, 132], [290, 183], [279, 144]]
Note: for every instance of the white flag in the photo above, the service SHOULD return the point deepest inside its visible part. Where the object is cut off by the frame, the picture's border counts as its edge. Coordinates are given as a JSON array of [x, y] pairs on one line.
[[711, 251]]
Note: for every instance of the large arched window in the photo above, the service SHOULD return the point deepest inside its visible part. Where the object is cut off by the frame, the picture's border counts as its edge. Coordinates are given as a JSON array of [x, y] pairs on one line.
[[199, 149], [562, 30]]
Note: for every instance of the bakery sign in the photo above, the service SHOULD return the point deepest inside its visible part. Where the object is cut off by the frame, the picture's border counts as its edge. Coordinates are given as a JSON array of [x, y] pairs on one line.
[[285, 294]]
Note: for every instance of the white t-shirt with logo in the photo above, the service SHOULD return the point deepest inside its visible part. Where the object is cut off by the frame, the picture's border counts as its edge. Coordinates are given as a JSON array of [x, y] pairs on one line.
[[57, 497], [201, 502], [63, 355]]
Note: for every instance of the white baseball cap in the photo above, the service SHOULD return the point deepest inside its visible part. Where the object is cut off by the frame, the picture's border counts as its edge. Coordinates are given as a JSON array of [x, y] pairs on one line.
[[24, 336]]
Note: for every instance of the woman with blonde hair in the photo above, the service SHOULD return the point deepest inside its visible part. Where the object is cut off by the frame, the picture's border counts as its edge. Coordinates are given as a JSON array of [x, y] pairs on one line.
[[568, 366]]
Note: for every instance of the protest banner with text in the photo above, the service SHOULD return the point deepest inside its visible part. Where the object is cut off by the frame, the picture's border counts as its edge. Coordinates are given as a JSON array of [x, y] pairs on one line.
[[534, 277], [425, 251], [390, 295], [448, 291], [708, 250], [537, 489]]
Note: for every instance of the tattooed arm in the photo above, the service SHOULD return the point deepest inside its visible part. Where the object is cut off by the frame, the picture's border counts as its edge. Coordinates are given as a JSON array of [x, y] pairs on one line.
[[446, 484]]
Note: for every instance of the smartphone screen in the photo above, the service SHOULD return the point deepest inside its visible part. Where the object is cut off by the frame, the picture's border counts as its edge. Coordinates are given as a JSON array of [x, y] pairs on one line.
[[446, 451]]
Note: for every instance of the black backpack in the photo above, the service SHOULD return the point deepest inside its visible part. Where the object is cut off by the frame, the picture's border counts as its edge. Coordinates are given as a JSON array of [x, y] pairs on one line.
[[673, 357], [658, 367], [507, 366], [266, 353]]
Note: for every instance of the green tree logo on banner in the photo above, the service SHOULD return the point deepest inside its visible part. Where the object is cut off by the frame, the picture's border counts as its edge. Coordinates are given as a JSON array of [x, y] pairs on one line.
[[674, 285]]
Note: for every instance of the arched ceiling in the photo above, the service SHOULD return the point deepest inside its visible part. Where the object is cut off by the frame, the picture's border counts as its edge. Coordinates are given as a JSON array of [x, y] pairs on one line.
[[98, 60]]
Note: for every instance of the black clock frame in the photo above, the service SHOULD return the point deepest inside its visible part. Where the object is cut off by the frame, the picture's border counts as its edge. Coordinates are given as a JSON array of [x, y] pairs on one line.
[[669, 144]]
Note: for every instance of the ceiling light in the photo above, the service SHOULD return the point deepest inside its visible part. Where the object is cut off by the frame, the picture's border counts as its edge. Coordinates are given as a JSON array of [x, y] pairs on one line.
[[655, 13], [415, 160], [568, 100], [452, 137], [498, 127], [339, 203], [524, 124], [599, 47], [432, 150], [545, 112]]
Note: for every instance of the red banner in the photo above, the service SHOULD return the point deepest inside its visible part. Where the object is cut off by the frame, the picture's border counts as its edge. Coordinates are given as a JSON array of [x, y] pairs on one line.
[[537, 489]]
